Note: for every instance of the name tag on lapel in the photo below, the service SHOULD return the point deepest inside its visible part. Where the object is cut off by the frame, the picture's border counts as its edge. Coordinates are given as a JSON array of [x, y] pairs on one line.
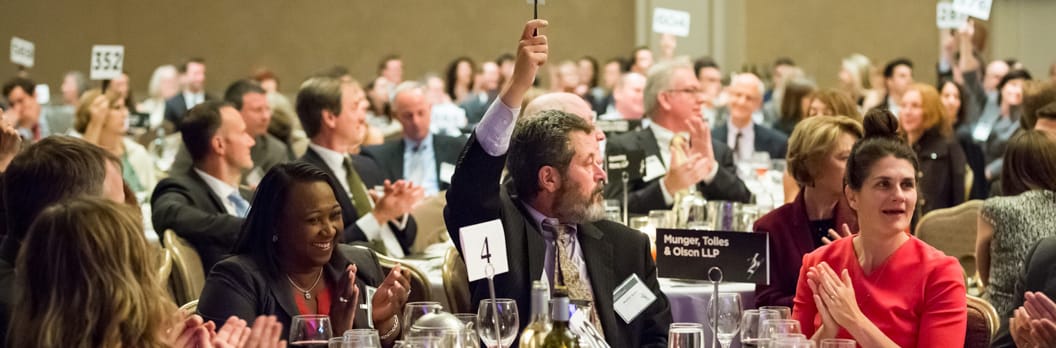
[[446, 171], [653, 168], [631, 298]]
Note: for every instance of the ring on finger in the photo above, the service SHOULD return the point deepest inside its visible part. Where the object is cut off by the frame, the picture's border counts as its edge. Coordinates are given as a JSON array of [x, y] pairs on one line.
[[342, 299]]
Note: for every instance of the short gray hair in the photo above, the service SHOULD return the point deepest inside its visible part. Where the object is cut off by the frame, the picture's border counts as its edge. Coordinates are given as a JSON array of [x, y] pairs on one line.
[[406, 86], [659, 79]]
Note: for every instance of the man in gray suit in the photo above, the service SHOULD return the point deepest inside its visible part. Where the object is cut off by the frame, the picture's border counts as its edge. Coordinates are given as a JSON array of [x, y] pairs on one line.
[[426, 159], [252, 103]]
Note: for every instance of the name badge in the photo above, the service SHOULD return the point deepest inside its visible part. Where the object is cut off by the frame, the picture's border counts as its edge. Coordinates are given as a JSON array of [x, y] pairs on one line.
[[653, 168], [446, 171], [631, 298]]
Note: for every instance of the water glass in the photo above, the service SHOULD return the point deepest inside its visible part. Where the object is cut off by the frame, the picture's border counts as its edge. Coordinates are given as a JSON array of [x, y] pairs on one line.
[[838, 343], [750, 328], [414, 310], [784, 312], [308, 330], [662, 218], [771, 328], [356, 338], [471, 338], [614, 210], [497, 322], [728, 322], [685, 335], [792, 342]]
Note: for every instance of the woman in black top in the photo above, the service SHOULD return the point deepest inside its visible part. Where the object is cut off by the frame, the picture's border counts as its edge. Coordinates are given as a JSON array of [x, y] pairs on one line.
[[942, 162]]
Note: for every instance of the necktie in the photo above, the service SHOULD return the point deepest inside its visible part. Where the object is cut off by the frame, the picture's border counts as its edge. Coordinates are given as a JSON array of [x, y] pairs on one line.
[[737, 144], [241, 205], [566, 272], [360, 198], [415, 168], [678, 155]]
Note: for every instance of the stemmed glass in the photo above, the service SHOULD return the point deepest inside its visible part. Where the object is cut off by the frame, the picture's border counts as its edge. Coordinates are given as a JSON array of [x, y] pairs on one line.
[[685, 335], [498, 314], [414, 310], [774, 327], [838, 343], [310, 330], [358, 338], [782, 311], [728, 322], [750, 328]]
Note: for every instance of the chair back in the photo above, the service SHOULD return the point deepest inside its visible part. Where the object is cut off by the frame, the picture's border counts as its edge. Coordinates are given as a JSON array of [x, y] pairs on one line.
[[952, 230], [165, 269], [190, 307], [456, 282], [188, 274], [421, 289], [983, 322], [429, 213]]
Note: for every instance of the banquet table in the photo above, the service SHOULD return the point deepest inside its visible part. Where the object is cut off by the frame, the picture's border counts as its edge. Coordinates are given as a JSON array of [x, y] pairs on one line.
[[689, 300]]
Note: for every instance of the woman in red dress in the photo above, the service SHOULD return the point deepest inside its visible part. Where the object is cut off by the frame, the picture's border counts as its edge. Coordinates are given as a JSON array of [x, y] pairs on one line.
[[882, 287]]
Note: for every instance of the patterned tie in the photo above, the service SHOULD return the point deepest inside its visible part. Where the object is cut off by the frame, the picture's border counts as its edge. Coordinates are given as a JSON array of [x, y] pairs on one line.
[[360, 198], [241, 205], [737, 144], [566, 272]]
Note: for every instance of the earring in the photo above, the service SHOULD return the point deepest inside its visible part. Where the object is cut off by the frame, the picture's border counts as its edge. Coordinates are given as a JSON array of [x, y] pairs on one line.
[[275, 238]]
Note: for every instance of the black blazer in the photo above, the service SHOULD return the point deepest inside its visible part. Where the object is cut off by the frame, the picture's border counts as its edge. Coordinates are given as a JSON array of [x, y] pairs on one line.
[[766, 139], [241, 286], [389, 156], [176, 107], [371, 176], [1039, 274], [612, 252], [187, 205], [645, 196], [942, 168]]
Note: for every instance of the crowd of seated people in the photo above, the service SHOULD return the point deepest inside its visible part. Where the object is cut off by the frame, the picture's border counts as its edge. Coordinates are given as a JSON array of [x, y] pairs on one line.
[[290, 200]]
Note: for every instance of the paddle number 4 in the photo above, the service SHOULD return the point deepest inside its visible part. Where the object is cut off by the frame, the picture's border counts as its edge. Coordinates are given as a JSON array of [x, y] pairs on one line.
[[484, 249]]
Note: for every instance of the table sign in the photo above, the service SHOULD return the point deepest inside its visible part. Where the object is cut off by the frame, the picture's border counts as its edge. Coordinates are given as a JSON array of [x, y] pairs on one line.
[[689, 254], [22, 52], [668, 21], [107, 62], [947, 17], [484, 249], [631, 162], [975, 8]]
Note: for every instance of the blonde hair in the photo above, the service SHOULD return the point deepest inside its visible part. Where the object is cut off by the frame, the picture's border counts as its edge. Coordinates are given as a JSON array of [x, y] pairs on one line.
[[838, 101], [932, 107], [86, 277], [83, 114], [812, 140]]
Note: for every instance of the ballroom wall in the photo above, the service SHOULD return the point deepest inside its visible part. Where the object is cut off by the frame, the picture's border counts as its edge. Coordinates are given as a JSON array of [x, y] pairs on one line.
[[298, 38]]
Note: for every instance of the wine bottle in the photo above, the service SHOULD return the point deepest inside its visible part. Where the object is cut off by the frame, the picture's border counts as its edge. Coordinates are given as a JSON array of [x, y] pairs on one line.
[[536, 331], [560, 335]]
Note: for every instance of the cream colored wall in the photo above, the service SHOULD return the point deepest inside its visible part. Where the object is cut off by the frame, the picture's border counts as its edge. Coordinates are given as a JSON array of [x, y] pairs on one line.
[[1024, 29], [298, 38]]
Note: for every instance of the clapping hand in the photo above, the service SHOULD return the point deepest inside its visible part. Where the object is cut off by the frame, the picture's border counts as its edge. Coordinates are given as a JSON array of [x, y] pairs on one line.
[[343, 308], [399, 198], [834, 295], [845, 231], [1034, 324]]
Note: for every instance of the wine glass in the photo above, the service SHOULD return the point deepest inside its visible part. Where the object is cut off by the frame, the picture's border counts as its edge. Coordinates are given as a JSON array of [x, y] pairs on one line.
[[838, 343], [498, 322], [685, 335], [356, 338], [792, 341], [750, 328], [414, 310], [310, 331], [773, 327], [728, 322]]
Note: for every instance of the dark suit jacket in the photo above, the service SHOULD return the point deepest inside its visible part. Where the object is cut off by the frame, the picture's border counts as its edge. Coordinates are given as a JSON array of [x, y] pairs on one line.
[[475, 106], [390, 156], [185, 204], [176, 107], [645, 196], [766, 139], [8, 255], [1039, 274], [612, 252], [942, 168], [371, 176], [791, 238], [241, 286]]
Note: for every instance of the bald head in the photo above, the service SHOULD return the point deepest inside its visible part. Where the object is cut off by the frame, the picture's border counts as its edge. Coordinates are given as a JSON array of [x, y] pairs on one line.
[[745, 97], [565, 102]]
